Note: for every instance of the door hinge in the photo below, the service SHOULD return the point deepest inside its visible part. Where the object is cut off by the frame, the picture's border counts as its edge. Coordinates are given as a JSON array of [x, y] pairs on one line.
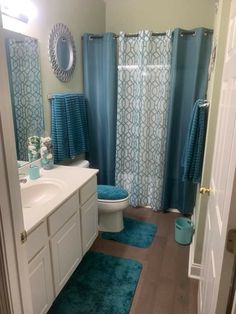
[[231, 241], [23, 236]]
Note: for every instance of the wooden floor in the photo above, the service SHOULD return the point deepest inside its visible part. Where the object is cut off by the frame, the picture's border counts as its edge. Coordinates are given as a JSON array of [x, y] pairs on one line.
[[164, 286]]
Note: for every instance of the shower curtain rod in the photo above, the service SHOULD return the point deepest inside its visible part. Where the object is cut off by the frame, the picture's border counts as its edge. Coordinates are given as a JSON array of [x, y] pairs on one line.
[[209, 31], [182, 33], [137, 34], [126, 35]]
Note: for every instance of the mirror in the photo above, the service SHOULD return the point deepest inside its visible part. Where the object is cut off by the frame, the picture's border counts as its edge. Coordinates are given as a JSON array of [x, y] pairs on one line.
[[62, 52], [26, 93]]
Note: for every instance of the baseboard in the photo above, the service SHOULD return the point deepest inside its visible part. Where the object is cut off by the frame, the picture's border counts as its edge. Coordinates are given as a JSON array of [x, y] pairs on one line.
[[194, 269]]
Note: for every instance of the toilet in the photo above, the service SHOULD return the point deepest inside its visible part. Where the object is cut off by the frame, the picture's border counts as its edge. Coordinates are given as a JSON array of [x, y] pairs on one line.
[[112, 201], [79, 163]]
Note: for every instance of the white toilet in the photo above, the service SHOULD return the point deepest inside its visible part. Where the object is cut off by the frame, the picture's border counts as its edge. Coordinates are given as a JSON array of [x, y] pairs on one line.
[[79, 163], [112, 201]]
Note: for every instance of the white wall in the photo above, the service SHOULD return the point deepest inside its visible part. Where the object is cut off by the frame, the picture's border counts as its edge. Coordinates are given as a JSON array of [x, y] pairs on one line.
[[158, 15]]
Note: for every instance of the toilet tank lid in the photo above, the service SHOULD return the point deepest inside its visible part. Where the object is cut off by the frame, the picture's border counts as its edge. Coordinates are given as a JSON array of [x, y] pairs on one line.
[[80, 163], [111, 192]]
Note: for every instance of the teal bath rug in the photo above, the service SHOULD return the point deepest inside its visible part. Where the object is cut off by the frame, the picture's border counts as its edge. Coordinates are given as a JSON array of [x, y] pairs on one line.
[[101, 284], [135, 233]]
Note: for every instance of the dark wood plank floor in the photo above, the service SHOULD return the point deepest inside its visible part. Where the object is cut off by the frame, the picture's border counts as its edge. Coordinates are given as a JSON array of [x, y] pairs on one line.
[[164, 286]]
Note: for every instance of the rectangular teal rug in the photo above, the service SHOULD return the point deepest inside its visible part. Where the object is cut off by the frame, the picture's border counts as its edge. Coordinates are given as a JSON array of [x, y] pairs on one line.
[[135, 233], [101, 284]]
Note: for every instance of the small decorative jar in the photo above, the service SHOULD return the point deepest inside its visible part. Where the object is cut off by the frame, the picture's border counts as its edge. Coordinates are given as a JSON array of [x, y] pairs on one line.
[[33, 148], [46, 150], [34, 172]]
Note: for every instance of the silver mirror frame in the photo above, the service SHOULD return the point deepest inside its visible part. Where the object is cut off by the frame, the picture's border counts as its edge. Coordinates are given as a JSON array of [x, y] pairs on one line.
[[60, 30]]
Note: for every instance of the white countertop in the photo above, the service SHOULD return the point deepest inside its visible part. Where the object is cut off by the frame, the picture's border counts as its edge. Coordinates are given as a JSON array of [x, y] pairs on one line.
[[71, 179]]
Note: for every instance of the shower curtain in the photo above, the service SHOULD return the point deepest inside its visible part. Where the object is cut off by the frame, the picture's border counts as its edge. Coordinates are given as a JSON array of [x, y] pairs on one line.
[[100, 88], [143, 94], [26, 94], [191, 54]]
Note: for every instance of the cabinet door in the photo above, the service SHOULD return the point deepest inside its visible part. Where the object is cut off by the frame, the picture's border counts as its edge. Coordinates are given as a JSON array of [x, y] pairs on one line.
[[66, 251], [40, 274], [37, 240], [87, 190], [89, 222]]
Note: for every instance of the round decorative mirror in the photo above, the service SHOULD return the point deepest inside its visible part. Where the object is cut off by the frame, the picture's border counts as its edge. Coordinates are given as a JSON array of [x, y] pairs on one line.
[[62, 52]]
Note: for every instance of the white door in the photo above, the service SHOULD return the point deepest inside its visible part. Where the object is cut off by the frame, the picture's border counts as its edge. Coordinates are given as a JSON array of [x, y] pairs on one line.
[[11, 218], [217, 263]]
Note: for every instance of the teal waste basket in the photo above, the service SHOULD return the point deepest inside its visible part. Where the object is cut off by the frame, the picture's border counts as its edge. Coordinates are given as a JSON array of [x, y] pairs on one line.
[[183, 230]]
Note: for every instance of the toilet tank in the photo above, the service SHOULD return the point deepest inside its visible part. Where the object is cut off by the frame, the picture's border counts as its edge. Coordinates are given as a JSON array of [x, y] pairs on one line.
[[80, 163]]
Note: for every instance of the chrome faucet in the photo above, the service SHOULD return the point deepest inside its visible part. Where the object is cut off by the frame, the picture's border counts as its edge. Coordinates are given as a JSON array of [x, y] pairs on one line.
[[23, 180]]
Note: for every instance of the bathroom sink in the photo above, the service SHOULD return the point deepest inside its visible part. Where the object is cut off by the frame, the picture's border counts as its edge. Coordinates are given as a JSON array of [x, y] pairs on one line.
[[39, 193]]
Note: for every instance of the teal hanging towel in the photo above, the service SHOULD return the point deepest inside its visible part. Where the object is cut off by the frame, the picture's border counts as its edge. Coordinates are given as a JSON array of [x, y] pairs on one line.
[[195, 142], [69, 125]]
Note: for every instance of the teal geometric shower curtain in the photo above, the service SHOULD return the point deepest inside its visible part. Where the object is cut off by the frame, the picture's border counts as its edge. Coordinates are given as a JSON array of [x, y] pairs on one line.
[[142, 109]]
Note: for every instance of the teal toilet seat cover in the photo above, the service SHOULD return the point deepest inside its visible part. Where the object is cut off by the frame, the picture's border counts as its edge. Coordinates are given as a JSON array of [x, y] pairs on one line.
[[111, 192]]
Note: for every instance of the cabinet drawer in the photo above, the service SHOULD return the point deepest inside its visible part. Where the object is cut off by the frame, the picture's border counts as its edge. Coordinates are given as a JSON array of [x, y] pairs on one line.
[[88, 190], [63, 213], [36, 240]]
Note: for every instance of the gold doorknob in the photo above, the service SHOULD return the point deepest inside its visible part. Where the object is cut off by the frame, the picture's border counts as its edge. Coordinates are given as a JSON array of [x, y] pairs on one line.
[[204, 190]]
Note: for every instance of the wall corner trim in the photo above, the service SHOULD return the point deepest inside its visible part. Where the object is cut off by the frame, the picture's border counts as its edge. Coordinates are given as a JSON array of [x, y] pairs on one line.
[[194, 269]]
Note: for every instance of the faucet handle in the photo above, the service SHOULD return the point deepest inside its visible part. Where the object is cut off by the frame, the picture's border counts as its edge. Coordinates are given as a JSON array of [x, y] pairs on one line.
[[22, 177]]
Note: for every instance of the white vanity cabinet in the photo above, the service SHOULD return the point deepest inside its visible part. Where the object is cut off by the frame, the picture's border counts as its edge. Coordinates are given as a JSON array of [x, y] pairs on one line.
[[56, 246]]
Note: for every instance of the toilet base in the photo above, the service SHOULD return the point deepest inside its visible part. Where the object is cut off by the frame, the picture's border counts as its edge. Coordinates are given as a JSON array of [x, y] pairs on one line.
[[111, 222]]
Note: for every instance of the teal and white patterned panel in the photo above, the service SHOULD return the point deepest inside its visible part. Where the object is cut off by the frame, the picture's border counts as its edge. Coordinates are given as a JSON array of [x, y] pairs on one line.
[[142, 112], [26, 94]]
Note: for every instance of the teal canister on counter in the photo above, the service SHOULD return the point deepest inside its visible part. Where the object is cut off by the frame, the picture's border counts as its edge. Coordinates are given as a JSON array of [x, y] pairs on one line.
[[34, 172], [183, 230]]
